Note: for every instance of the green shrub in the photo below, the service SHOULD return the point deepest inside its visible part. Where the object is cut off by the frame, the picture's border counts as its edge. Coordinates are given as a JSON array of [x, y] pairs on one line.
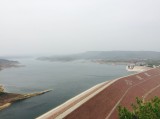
[[141, 110]]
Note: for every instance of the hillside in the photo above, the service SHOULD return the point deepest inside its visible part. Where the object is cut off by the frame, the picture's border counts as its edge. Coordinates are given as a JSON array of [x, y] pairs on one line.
[[8, 63], [120, 56]]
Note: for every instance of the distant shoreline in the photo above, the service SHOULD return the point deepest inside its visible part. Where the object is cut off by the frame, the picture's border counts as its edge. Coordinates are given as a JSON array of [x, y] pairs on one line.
[[9, 64], [138, 68], [97, 61]]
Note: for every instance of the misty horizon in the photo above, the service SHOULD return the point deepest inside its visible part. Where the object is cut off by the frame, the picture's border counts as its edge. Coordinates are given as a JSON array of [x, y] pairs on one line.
[[65, 54], [38, 28]]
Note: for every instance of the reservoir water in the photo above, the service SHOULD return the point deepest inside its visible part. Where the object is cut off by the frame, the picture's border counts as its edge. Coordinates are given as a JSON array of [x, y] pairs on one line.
[[66, 79]]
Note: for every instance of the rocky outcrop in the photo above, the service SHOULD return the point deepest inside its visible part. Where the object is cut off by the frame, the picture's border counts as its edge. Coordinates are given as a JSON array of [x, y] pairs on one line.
[[6, 99]]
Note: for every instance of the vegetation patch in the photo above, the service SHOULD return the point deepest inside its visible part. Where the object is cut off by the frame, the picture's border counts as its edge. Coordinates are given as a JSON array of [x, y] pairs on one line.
[[141, 110]]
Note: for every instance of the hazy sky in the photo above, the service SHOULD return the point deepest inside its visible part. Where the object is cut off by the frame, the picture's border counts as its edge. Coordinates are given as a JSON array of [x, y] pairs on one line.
[[70, 26]]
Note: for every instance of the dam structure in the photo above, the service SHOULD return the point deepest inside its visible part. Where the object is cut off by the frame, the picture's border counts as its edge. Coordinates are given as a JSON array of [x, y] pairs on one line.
[[101, 101]]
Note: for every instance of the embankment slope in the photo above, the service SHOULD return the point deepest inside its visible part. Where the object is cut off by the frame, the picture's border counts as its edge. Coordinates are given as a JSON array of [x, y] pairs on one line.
[[103, 105]]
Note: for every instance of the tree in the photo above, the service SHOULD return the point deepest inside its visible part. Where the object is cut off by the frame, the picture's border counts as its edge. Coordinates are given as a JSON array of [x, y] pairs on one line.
[[141, 110]]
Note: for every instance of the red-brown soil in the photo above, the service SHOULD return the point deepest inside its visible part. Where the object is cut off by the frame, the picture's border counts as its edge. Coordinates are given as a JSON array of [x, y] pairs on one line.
[[126, 89]]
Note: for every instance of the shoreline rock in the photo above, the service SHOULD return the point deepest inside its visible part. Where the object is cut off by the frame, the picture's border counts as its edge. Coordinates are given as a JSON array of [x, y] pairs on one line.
[[6, 99], [5, 106]]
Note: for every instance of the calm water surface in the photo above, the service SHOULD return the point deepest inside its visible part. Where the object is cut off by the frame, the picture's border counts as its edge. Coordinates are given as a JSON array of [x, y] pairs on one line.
[[66, 80]]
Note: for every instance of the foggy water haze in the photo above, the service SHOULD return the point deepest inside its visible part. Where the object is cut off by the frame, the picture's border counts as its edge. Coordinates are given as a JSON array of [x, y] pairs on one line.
[[49, 27]]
